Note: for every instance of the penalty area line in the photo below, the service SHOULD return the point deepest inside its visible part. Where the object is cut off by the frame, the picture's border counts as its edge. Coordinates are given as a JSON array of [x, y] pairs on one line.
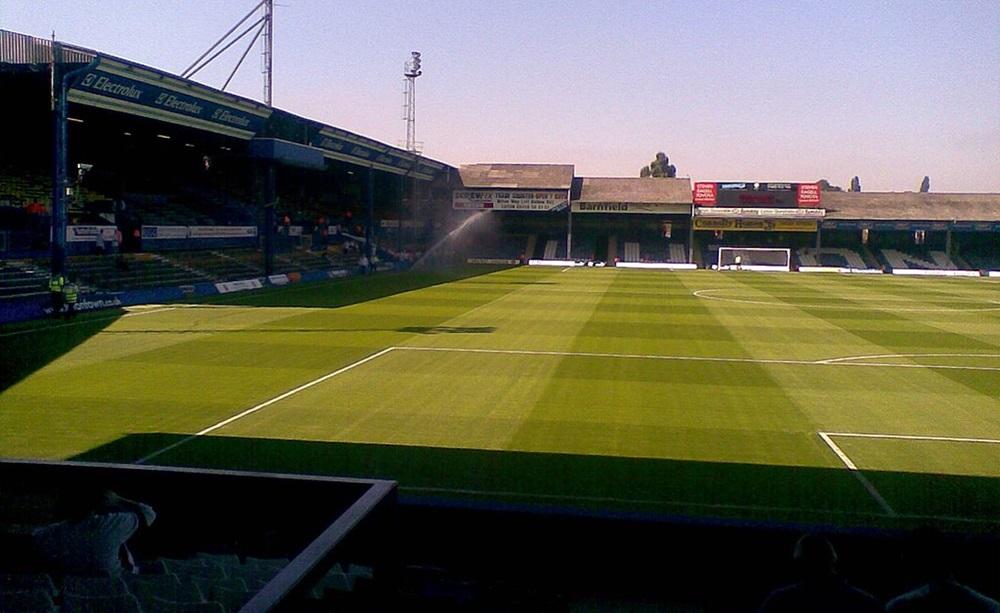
[[851, 466], [263, 405], [694, 358]]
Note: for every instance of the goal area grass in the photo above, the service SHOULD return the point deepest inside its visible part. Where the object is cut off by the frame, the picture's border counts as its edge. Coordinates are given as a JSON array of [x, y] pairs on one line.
[[763, 397]]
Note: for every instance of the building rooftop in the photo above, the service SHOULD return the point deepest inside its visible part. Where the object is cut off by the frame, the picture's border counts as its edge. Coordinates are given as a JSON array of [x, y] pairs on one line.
[[911, 206], [631, 189], [517, 176]]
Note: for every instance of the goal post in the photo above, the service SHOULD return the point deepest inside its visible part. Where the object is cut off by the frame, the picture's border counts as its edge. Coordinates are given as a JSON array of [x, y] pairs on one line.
[[755, 258]]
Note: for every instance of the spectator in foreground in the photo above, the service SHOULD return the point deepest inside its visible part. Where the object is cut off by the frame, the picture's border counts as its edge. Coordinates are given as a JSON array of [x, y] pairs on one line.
[[820, 589], [91, 541], [940, 591]]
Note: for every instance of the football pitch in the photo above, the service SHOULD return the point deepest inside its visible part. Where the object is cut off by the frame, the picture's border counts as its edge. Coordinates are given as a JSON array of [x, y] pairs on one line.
[[764, 397]]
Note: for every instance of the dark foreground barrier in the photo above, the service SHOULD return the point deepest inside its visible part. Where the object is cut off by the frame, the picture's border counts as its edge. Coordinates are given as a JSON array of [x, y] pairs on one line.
[[299, 527]]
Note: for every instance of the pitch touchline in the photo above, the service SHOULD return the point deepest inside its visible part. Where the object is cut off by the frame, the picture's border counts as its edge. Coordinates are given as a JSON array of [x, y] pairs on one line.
[[874, 493], [264, 405], [695, 358]]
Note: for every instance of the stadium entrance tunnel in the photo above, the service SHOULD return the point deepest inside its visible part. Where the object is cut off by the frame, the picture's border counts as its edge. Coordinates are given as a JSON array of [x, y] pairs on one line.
[[541, 527], [29, 346]]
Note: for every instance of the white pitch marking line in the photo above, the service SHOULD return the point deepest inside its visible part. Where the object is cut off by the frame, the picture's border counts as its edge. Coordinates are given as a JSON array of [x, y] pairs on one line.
[[916, 437], [89, 320], [837, 450], [567, 268], [693, 358], [858, 474], [147, 312], [703, 293], [265, 404], [908, 355]]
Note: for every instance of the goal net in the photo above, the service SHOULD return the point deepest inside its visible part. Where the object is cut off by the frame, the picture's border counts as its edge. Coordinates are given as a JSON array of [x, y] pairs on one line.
[[754, 258]]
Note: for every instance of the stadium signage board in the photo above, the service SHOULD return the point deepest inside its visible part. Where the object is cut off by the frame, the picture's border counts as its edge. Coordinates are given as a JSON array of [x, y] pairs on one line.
[[115, 89], [756, 213], [750, 194], [705, 193], [89, 234], [755, 225], [347, 147], [929, 226], [221, 231], [238, 286], [508, 200], [975, 226], [647, 208], [164, 232]]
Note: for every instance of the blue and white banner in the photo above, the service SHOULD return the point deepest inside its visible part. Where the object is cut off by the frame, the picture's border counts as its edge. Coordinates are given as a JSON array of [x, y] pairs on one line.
[[222, 231], [140, 91], [89, 234], [164, 232]]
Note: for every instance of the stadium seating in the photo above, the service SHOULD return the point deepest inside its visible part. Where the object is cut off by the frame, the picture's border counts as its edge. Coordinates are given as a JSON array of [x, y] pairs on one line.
[[551, 250], [206, 582], [19, 279], [631, 252], [131, 271], [934, 260], [678, 253], [831, 257]]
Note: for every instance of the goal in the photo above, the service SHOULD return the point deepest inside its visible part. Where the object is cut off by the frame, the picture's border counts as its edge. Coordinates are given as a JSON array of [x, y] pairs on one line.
[[754, 258]]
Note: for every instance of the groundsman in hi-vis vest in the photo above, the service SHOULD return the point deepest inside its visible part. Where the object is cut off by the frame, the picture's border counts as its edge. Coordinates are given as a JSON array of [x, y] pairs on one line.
[[57, 282]]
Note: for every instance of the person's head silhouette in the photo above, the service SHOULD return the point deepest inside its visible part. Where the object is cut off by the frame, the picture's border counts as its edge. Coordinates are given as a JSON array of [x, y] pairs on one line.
[[815, 557]]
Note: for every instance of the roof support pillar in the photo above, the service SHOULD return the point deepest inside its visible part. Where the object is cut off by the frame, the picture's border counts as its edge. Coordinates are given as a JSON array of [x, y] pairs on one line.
[[60, 145], [369, 218], [569, 225], [268, 198]]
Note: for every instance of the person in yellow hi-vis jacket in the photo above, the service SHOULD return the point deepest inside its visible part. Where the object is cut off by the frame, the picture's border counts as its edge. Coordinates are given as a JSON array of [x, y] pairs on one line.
[[56, 284], [71, 294]]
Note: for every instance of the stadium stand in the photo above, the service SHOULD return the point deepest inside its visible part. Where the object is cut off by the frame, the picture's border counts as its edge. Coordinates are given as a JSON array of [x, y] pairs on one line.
[[836, 257], [583, 248], [631, 253], [137, 270], [934, 260], [678, 253], [22, 278], [551, 248]]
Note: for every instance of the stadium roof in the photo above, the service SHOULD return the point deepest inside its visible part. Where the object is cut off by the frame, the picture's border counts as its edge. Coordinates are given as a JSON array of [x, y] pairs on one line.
[[517, 176], [911, 205], [644, 190], [127, 87]]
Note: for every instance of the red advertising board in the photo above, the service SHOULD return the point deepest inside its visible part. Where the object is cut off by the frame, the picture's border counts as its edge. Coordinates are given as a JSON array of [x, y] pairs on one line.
[[808, 195], [705, 194]]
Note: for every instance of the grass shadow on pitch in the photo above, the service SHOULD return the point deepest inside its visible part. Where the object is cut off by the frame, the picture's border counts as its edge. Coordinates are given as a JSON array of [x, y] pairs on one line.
[[590, 484], [343, 292], [26, 347], [448, 329]]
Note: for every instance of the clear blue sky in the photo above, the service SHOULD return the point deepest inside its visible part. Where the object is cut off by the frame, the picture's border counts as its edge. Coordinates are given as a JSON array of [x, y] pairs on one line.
[[889, 91]]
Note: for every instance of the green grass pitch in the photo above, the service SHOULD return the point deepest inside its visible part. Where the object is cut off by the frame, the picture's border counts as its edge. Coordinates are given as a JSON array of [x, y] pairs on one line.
[[846, 400]]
